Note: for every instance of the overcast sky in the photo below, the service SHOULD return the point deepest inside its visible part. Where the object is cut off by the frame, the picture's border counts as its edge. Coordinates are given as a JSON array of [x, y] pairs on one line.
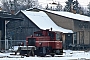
[[44, 2], [82, 2]]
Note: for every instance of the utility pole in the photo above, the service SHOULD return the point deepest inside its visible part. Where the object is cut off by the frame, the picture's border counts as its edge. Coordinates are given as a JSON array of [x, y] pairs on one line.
[[5, 34]]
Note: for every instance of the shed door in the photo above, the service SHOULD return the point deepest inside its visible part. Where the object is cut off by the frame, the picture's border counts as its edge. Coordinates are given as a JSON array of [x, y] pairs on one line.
[[69, 39], [81, 37]]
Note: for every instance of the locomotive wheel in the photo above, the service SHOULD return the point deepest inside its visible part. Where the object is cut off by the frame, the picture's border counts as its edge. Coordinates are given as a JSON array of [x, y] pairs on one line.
[[43, 55], [52, 54], [59, 52]]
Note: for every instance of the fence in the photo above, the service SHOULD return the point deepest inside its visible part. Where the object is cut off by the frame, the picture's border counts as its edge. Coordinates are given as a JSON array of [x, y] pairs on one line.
[[9, 44]]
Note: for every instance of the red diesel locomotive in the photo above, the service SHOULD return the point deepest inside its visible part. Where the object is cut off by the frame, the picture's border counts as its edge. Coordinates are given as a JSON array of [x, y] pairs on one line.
[[46, 42]]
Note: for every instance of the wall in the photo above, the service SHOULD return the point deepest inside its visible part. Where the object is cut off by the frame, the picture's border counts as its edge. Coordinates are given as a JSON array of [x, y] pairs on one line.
[[82, 28], [86, 37], [0, 39]]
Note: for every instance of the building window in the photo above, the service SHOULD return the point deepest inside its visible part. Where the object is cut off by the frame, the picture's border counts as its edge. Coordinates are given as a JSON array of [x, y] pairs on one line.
[[75, 38], [58, 36], [80, 25], [86, 26]]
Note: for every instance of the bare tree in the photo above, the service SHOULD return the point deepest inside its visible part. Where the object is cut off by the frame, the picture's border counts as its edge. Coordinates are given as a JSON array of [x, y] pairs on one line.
[[17, 5], [5, 5], [88, 12]]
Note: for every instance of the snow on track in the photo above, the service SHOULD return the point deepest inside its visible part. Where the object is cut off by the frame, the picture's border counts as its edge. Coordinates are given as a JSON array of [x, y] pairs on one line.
[[68, 54]]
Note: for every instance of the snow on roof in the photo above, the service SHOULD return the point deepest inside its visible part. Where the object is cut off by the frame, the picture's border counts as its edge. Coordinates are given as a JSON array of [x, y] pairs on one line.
[[71, 15], [42, 20]]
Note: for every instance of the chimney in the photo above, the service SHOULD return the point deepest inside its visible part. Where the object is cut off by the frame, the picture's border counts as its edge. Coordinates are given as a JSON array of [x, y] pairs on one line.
[[12, 11], [51, 28], [0, 8], [74, 11]]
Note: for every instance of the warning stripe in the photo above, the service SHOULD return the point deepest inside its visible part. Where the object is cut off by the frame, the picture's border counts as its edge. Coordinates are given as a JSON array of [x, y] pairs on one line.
[[47, 41]]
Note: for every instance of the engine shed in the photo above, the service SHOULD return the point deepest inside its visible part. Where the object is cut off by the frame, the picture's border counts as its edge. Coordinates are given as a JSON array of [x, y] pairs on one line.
[[4, 19]]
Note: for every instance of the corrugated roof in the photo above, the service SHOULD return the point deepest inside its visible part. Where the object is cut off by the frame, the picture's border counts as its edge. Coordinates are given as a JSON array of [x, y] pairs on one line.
[[42, 20], [71, 15]]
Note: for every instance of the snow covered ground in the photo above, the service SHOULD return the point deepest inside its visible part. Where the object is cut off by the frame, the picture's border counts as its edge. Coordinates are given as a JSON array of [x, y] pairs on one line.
[[67, 55]]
